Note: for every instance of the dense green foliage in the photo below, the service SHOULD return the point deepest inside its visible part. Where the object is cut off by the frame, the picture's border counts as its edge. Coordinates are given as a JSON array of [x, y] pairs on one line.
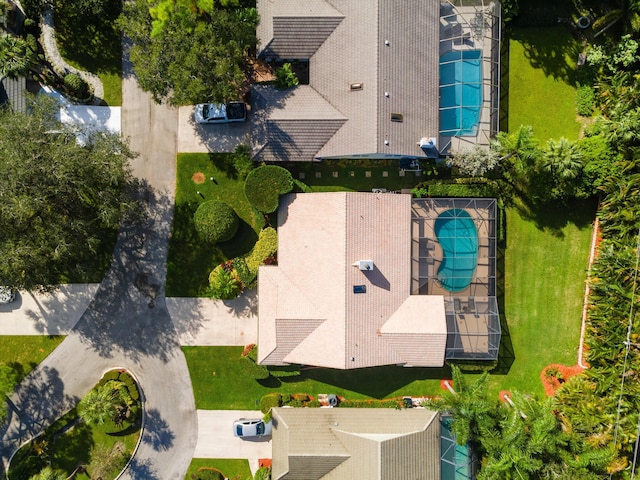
[[215, 221], [17, 56], [188, 52], [76, 86], [190, 259], [265, 184], [286, 77], [526, 441], [224, 284], [102, 448], [60, 201], [265, 247]]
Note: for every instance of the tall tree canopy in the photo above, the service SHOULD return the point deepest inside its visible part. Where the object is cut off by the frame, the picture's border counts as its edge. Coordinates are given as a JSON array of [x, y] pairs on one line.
[[187, 51], [59, 200]]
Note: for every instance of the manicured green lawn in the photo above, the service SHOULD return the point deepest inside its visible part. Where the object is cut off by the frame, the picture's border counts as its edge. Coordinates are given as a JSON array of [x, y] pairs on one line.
[[93, 45], [223, 380], [545, 263], [541, 66], [25, 352], [232, 468], [190, 260]]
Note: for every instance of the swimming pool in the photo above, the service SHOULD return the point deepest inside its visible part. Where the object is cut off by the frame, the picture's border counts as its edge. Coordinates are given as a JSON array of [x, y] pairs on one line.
[[460, 92], [458, 237]]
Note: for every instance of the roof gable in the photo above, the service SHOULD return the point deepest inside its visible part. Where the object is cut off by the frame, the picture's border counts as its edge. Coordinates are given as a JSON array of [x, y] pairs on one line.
[[299, 37]]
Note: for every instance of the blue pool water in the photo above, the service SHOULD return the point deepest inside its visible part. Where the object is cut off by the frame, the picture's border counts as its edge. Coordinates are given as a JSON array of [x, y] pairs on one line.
[[460, 92], [458, 237]]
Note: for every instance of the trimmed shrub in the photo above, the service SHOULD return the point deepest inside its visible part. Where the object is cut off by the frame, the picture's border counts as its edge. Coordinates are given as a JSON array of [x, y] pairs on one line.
[[585, 100], [223, 284], [245, 275], [263, 473], [265, 184], [76, 85], [371, 403], [269, 401], [265, 247], [216, 221], [204, 473]]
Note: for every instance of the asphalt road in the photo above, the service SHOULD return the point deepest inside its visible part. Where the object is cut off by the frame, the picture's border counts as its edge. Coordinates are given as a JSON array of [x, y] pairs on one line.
[[127, 324]]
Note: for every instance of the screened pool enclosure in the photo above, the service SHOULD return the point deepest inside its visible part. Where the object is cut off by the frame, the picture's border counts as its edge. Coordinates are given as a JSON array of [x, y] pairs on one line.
[[454, 255]]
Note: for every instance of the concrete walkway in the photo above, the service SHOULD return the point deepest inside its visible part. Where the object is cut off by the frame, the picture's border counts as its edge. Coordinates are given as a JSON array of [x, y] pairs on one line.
[[197, 321]]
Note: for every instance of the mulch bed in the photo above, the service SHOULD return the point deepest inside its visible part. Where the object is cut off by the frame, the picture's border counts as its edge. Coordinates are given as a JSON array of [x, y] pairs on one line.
[[198, 177], [552, 382]]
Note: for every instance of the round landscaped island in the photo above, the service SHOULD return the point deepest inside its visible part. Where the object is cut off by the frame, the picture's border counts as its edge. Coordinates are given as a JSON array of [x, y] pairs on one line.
[[96, 439]]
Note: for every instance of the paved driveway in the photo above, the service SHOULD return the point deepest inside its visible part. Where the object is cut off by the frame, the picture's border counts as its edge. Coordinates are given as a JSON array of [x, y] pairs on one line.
[[197, 138], [216, 439]]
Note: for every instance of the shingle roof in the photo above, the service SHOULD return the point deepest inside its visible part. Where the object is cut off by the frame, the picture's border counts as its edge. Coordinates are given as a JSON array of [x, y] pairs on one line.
[[332, 444], [309, 298], [388, 46], [12, 91]]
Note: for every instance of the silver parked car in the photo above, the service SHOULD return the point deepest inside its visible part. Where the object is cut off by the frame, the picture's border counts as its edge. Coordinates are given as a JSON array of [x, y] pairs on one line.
[[251, 427], [220, 112]]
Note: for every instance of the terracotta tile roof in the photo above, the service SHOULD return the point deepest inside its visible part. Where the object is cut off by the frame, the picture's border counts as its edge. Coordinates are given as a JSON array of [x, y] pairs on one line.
[[321, 235]]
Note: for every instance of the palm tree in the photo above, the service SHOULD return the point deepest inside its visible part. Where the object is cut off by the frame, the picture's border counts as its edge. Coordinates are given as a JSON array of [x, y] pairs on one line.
[[48, 473], [16, 57], [99, 405], [470, 407], [562, 159]]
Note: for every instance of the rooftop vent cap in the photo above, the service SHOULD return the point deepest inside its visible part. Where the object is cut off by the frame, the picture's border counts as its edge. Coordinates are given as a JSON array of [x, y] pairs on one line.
[[363, 265], [396, 117], [357, 86]]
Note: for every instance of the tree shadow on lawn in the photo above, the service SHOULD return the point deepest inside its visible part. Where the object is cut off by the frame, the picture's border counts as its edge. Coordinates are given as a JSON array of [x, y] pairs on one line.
[[191, 260], [553, 217], [93, 42], [547, 49]]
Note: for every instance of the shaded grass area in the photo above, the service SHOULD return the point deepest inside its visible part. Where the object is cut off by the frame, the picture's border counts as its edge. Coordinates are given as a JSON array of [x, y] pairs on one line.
[[236, 469], [546, 258], [542, 92], [67, 444], [190, 259], [93, 43], [24, 352], [358, 175], [223, 380]]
